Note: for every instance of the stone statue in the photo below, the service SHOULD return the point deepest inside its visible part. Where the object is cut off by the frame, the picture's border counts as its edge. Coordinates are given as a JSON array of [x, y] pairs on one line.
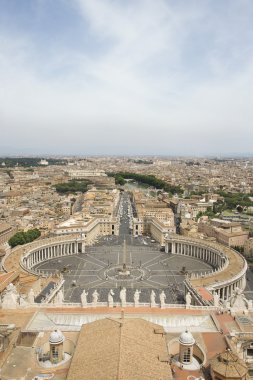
[[23, 302], [11, 288], [84, 298], [152, 298], [188, 299], [30, 296], [226, 304], [10, 297], [162, 298], [238, 300], [216, 299], [95, 298], [137, 297], [122, 296], [60, 297], [110, 298]]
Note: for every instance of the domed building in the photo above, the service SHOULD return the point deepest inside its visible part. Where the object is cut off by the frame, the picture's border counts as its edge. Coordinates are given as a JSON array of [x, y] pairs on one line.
[[185, 352], [228, 366], [56, 340], [186, 342]]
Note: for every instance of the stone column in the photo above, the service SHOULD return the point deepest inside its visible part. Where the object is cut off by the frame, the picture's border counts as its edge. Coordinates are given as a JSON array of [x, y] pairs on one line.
[[230, 291], [226, 292]]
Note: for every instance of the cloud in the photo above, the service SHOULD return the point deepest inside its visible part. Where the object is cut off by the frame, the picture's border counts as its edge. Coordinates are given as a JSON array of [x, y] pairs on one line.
[[140, 77]]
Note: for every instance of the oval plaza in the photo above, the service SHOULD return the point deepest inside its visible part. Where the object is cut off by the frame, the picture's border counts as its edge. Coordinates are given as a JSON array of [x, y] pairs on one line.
[[229, 266], [178, 299], [226, 272]]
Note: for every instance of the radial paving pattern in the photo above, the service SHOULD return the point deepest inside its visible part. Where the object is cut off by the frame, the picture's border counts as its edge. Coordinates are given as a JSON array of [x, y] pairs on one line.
[[101, 265], [151, 269]]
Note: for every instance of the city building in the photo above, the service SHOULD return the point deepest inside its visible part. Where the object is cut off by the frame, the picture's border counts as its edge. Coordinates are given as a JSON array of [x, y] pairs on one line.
[[225, 232]]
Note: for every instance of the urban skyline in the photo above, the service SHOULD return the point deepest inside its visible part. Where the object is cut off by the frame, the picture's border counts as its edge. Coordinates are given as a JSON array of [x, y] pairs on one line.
[[126, 189]]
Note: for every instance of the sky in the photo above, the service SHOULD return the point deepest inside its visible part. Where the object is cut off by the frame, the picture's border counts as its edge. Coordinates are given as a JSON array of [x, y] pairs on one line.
[[126, 77]]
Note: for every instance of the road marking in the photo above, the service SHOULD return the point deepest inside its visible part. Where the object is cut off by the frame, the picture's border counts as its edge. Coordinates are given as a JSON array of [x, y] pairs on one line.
[[156, 282], [91, 262]]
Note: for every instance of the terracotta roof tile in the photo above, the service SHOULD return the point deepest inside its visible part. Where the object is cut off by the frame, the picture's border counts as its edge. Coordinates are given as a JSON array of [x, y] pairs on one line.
[[125, 349]]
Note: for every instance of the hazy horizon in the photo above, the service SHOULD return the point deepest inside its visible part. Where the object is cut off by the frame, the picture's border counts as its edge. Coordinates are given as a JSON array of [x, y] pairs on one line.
[[163, 78], [151, 156]]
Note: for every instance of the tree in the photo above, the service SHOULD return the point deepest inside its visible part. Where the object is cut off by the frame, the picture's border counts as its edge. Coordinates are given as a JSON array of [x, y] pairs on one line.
[[150, 180], [239, 249], [72, 186], [22, 237], [239, 208], [209, 212]]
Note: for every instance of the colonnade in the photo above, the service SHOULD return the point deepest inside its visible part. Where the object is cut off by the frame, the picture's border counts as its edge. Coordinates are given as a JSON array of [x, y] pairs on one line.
[[47, 252], [219, 258], [211, 256], [226, 291]]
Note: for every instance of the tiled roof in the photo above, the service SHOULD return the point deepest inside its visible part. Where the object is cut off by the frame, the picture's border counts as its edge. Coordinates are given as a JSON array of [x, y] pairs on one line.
[[126, 349], [228, 365]]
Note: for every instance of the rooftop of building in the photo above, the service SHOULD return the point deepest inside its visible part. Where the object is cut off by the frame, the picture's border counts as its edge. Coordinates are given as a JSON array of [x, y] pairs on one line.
[[4, 227], [228, 365], [129, 347], [124, 349]]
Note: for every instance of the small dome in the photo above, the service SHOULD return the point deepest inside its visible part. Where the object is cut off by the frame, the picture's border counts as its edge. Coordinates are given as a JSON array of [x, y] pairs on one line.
[[186, 338], [227, 364], [56, 337]]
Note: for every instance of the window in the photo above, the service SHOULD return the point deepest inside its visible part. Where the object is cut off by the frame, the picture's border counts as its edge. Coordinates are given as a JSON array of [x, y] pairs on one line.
[[55, 352], [187, 356], [250, 352], [250, 372]]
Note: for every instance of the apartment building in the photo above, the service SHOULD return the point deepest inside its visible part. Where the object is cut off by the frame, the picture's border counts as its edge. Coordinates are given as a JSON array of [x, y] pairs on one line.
[[225, 232]]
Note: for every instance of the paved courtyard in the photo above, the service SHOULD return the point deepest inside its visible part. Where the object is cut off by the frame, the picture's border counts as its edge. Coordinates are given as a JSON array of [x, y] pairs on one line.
[[101, 264], [150, 269]]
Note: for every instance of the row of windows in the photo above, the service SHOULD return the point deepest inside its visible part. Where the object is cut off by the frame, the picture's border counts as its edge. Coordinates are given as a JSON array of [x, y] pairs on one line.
[[187, 356]]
